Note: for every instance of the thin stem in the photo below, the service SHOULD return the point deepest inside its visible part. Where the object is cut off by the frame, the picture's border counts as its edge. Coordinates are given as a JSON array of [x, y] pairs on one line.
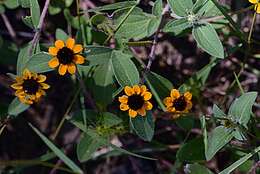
[[212, 19], [39, 29], [64, 116], [155, 40], [9, 27], [251, 29], [2, 129]]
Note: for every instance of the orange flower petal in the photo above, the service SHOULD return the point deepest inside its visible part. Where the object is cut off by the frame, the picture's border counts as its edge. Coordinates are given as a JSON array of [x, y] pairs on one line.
[[188, 95], [136, 89], [143, 89], [72, 68], [129, 91], [257, 8], [132, 113], [148, 105], [168, 101], [123, 99], [124, 107], [70, 43], [17, 86], [77, 48], [53, 51], [175, 93], [41, 78], [27, 74], [147, 96], [142, 111], [45, 86], [63, 69], [78, 59], [253, 1], [54, 62], [59, 44]]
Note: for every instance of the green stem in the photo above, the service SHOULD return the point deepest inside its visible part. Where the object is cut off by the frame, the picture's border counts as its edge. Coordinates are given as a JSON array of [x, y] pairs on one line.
[[65, 115], [251, 29]]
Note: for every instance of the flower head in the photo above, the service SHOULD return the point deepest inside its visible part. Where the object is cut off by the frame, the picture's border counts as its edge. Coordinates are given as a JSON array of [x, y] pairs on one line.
[[66, 56], [30, 87], [178, 103], [136, 100], [257, 5]]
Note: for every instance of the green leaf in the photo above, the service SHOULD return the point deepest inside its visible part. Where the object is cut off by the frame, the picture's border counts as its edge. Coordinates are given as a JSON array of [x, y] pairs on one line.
[[192, 151], [61, 35], [87, 146], [181, 7], [240, 110], [11, 4], [35, 12], [138, 24], [157, 8], [57, 151], [27, 20], [159, 86], [114, 6], [104, 84], [105, 142], [24, 3], [23, 58], [239, 162], [98, 55], [233, 24], [176, 26], [110, 120], [218, 112], [217, 139], [16, 107], [39, 63], [207, 38], [209, 9], [124, 69], [143, 126], [80, 121], [196, 169]]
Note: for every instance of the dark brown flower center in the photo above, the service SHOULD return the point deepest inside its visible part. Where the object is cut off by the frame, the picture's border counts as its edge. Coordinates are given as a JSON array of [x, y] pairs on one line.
[[135, 102], [65, 55], [30, 86], [180, 103]]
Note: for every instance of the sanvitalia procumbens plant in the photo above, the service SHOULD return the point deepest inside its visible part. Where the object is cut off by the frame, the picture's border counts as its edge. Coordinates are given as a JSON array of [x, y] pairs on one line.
[[109, 73]]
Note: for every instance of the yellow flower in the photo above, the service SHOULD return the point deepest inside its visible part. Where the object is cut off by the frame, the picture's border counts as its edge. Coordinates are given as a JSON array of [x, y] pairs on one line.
[[257, 5], [136, 101], [178, 103], [66, 56], [30, 87]]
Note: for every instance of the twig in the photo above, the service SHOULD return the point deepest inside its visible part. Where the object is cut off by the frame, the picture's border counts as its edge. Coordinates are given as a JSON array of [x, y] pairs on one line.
[[9, 27], [39, 29], [65, 115], [151, 56]]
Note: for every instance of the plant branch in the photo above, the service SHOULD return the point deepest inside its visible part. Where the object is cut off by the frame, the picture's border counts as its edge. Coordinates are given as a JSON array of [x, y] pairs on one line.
[[9, 26], [39, 29], [151, 56]]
